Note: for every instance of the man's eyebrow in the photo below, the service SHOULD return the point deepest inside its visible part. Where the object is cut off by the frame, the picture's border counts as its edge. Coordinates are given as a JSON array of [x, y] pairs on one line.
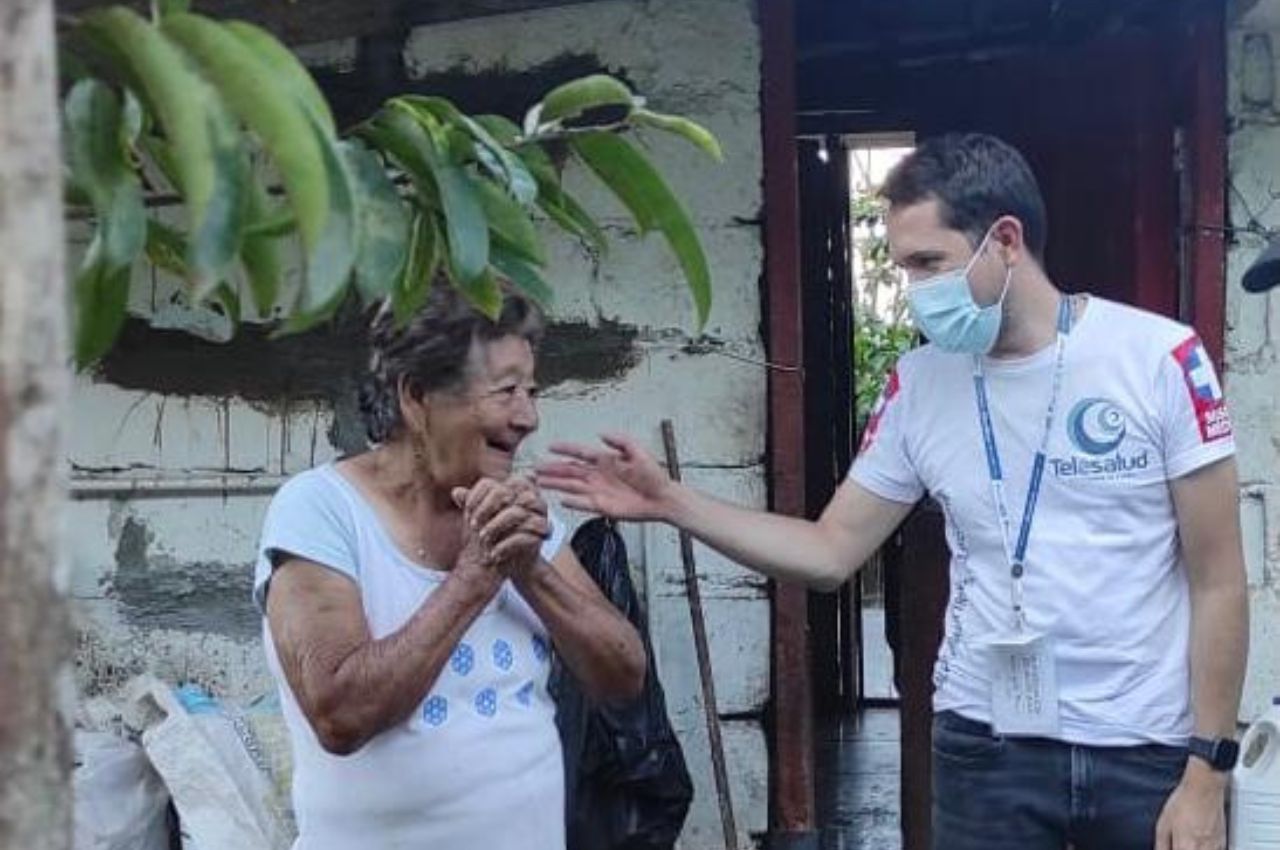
[[921, 257]]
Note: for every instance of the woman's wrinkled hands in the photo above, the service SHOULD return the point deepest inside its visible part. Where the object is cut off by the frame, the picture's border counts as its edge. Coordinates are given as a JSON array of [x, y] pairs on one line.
[[505, 524]]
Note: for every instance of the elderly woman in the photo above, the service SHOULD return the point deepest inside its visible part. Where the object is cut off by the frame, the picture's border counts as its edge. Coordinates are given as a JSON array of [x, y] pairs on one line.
[[413, 595]]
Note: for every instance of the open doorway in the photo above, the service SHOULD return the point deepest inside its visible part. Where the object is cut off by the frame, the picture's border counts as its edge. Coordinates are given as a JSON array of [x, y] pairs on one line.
[[855, 306], [882, 331]]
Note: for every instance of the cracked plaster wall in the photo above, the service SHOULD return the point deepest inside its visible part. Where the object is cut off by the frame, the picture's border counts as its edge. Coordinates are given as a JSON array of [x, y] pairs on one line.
[[162, 572], [1253, 326]]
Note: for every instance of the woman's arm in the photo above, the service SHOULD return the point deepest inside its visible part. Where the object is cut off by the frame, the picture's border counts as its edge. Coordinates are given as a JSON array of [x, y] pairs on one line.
[[599, 645], [350, 686]]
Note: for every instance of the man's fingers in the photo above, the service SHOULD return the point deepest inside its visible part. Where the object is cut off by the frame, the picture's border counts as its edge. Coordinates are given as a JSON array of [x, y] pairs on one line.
[[623, 444], [577, 451], [562, 469], [565, 485]]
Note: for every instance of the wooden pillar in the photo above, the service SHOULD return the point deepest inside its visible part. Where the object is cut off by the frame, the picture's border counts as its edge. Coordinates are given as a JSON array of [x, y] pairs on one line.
[[792, 823], [1207, 162]]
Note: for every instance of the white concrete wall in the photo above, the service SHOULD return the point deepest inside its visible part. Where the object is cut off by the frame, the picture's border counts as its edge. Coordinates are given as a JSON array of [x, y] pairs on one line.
[[162, 577], [1253, 327]]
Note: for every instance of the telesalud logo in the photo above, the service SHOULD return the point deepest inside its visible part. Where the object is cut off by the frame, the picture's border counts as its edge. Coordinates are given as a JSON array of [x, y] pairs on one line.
[[1097, 429], [1091, 467]]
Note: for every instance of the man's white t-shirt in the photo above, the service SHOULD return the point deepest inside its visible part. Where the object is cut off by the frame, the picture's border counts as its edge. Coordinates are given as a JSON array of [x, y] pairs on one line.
[[478, 764], [1140, 406]]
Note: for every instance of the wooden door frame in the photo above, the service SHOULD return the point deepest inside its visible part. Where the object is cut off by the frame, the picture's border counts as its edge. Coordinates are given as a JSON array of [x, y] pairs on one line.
[[1204, 124], [792, 820]]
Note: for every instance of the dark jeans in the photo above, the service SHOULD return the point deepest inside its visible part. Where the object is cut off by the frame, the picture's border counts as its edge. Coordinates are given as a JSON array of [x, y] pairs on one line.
[[996, 793]]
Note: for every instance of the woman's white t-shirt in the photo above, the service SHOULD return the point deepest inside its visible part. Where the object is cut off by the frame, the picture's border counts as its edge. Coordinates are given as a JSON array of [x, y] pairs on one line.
[[478, 764]]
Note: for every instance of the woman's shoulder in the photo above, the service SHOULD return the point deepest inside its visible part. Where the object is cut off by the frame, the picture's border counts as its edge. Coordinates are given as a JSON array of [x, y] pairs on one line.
[[310, 483], [314, 492], [309, 518]]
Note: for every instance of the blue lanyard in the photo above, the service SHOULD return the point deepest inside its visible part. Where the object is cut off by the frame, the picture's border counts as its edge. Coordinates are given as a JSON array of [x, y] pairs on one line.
[[1016, 553]]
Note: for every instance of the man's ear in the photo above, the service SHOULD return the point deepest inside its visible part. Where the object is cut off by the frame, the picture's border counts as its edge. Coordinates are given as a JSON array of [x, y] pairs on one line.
[[1008, 238]]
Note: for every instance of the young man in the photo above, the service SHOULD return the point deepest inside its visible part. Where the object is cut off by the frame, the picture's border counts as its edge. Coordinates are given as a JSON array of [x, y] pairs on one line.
[[1089, 681]]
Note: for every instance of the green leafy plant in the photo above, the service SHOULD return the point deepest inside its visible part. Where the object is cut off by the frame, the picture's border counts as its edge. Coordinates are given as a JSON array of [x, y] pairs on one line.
[[220, 117], [877, 345], [881, 331]]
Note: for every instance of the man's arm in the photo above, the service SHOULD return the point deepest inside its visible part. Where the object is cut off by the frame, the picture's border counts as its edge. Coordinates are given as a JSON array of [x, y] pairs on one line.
[[624, 481], [823, 554], [1207, 506]]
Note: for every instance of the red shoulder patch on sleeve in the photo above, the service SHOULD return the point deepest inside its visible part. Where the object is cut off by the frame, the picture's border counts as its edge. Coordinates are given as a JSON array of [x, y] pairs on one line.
[[892, 386], [1202, 386]]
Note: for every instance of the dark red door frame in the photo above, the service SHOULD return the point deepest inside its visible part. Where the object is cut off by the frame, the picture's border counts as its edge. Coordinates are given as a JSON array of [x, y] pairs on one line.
[[792, 823], [1205, 123]]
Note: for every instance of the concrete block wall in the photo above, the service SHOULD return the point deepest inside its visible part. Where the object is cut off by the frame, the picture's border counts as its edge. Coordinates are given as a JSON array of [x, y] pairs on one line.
[[1252, 370], [162, 568]]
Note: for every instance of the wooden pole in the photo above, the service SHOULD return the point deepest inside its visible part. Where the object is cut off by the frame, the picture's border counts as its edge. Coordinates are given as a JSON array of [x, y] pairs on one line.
[[703, 652]]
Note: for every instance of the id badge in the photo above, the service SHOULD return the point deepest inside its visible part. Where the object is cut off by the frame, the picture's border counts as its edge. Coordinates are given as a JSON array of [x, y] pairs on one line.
[[1024, 685]]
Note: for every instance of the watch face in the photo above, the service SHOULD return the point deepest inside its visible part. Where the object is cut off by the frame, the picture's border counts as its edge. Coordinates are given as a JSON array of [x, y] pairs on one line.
[[1225, 753]]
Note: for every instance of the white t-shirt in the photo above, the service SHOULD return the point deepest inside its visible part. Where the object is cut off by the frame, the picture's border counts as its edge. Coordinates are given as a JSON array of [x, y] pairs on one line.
[[1105, 578], [478, 764]]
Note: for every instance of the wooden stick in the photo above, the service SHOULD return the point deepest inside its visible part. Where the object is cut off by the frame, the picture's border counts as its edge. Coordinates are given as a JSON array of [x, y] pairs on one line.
[[703, 652]]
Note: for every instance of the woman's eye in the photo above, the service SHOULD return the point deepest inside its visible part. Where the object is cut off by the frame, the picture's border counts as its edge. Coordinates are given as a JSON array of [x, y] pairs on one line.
[[509, 392]]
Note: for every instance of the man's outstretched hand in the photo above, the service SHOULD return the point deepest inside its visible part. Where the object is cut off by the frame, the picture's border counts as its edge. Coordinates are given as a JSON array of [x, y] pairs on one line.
[[620, 480]]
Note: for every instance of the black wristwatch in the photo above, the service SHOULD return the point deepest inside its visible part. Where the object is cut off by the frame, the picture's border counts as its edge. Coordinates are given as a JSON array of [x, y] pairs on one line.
[[1220, 753]]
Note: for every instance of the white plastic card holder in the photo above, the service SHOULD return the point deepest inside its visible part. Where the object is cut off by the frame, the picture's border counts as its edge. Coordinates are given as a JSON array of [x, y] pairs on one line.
[[1024, 685]]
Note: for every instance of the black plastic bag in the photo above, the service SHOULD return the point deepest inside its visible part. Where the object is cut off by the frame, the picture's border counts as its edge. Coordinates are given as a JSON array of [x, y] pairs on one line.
[[626, 783]]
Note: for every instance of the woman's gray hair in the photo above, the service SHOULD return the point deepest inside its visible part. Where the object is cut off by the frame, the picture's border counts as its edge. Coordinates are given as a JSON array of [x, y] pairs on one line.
[[431, 352]]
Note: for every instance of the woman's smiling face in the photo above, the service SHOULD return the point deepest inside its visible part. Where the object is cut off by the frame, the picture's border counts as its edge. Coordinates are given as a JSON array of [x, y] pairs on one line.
[[474, 432]]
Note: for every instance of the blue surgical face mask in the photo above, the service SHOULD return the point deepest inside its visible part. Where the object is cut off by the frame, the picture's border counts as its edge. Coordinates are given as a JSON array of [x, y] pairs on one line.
[[944, 310]]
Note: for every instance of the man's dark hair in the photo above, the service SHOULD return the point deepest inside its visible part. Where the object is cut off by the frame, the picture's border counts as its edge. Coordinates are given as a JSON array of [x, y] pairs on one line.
[[432, 351], [976, 179]]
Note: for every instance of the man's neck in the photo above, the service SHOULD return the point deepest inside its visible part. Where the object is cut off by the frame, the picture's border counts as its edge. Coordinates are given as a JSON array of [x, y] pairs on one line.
[[1030, 321]]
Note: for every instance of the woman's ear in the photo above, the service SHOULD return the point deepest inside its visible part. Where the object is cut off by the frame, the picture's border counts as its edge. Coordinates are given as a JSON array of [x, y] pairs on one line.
[[414, 406]]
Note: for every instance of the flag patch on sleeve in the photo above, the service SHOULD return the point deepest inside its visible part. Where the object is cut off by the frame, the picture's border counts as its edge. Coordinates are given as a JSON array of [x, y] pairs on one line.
[[887, 395], [1206, 393]]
